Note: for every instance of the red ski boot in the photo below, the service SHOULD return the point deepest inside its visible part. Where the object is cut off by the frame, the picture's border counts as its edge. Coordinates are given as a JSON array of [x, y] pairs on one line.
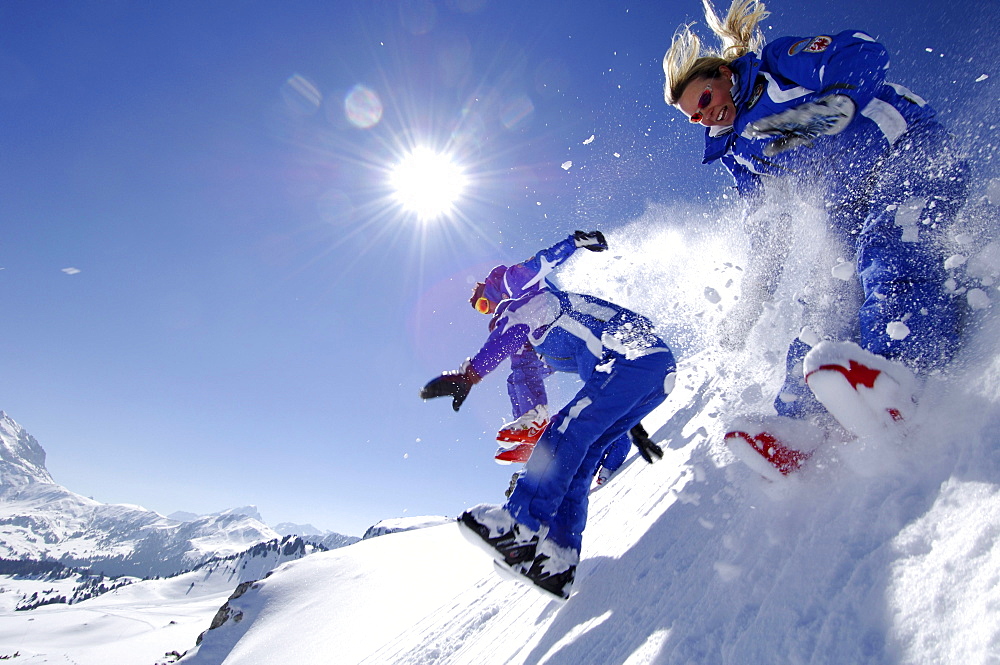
[[524, 433], [763, 444]]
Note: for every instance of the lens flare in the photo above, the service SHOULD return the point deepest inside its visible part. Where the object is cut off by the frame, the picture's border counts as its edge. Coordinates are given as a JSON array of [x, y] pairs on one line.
[[363, 107], [427, 183], [301, 95]]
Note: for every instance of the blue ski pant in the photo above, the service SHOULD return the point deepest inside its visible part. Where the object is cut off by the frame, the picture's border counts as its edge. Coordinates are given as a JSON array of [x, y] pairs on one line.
[[616, 453], [899, 264], [555, 486], [526, 381]]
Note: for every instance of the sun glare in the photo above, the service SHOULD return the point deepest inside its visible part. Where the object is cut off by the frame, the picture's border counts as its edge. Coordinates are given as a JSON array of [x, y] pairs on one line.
[[427, 183]]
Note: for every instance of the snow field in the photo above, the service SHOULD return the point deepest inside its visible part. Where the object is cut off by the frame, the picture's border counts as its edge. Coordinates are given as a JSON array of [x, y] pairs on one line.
[[878, 551]]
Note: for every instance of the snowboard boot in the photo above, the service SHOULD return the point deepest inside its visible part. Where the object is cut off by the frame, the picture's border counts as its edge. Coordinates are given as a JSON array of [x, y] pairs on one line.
[[640, 439], [765, 444], [603, 476], [495, 531], [553, 569], [868, 395]]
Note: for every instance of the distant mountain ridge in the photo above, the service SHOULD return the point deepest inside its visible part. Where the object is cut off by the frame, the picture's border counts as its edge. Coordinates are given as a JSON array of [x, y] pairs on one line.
[[43, 521]]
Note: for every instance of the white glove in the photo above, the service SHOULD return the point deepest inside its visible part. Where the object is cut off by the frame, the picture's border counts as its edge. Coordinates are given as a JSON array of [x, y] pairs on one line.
[[803, 124]]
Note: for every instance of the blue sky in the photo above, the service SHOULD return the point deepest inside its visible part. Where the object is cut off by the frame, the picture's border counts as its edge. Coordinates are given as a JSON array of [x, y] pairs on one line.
[[252, 314]]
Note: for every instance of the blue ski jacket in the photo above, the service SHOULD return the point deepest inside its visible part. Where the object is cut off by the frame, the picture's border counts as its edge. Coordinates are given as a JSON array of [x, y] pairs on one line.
[[794, 70], [571, 332]]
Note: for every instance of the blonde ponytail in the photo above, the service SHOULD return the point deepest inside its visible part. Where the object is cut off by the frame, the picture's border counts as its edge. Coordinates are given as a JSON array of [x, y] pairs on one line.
[[687, 59]]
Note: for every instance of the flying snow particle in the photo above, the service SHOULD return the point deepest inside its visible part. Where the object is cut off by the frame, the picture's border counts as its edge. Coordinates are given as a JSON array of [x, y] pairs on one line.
[[71, 271], [809, 336], [897, 330], [993, 191], [567, 165], [954, 261], [843, 271], [751, 394], [787, 397], [712, 296], [982, 77], [978, 299], [589, 141]]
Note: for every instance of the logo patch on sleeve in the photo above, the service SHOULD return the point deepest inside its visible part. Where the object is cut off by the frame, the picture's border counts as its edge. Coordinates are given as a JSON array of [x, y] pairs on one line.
[[814, 45]]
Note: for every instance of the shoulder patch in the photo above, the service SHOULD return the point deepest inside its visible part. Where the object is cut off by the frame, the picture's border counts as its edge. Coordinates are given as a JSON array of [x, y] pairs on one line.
[[758, 91], [815, 45], [797, 46]]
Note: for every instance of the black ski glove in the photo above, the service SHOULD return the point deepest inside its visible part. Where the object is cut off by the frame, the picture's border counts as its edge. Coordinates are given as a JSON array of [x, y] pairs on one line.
[[592, 240], [649, 450], [457, 384]]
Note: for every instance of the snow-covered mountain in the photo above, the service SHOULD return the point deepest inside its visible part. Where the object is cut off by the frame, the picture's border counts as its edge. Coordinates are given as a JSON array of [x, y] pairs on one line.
[[323, 538], [22, 458], [395, 525], [43, 521]]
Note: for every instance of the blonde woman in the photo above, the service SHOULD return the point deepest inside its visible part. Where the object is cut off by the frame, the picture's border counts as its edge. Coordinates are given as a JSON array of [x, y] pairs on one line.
[[818, 109]]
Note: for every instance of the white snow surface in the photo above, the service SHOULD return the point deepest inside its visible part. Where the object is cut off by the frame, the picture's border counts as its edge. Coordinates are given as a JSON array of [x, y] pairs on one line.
[[397, 524], [136, 624], [876, 552], [880, 551]]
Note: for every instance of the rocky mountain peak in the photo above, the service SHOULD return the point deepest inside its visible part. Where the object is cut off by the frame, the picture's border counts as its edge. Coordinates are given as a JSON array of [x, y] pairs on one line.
[[22, 458]]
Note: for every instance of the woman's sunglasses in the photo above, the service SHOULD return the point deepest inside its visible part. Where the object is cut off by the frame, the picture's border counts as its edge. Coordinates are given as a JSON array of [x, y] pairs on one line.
[[703, 101]]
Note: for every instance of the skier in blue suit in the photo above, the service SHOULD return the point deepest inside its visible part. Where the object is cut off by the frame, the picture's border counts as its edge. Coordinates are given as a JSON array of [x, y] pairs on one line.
[[627, 371], [528, 397], [819, 110]]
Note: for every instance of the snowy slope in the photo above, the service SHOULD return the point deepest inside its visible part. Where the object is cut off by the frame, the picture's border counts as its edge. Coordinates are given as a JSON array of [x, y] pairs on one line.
[[691, 560], [877, 552], [139, 623]]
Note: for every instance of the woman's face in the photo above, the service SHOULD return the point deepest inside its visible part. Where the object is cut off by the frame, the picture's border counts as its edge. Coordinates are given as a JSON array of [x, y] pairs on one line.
[[709, 100]]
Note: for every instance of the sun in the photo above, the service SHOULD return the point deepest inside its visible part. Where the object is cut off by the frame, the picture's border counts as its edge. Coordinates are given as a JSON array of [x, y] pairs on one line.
[[427, 183]]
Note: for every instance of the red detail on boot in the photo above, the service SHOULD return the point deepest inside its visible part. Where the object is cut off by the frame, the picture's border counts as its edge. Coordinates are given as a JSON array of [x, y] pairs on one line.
[[781, 457], [523, 435], [858, 374], [515, 455]]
